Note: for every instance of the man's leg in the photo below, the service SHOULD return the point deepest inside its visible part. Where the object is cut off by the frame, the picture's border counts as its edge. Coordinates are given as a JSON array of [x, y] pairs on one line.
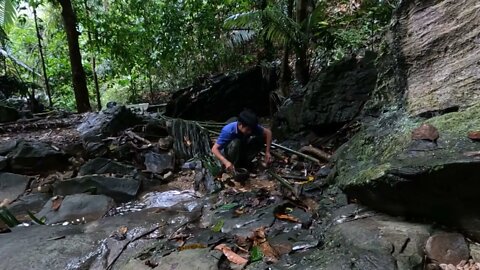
[[251, 149], [233, 152]]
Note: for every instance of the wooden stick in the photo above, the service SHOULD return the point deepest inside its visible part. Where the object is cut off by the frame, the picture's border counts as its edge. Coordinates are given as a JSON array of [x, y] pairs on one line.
[[284, 182], [317, 152], [296, 152], [132, 135]]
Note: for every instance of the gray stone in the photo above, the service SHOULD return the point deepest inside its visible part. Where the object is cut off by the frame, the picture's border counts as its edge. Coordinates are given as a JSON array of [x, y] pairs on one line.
[[86, 246], [120, 189], [107, 123], [83, 207], [12, 186], [195, 259], [33, 202], [8, 114], [36, 157], [448, 248], [105, 166], [475, 252], [159, 163], [7, 147]]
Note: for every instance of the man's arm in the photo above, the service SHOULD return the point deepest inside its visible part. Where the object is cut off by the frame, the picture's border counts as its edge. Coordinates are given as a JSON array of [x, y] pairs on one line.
[[267, 134], [216, 151]]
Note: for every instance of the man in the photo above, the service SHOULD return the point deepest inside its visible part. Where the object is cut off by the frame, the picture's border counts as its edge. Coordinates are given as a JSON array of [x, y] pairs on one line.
[[241, 140]]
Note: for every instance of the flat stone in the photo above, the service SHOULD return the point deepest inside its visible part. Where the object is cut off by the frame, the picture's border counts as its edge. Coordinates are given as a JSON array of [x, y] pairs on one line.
[[120, 189], [12, 186], [195, 259], [36, 157], [448, 248], [105, 166], [83, 207]]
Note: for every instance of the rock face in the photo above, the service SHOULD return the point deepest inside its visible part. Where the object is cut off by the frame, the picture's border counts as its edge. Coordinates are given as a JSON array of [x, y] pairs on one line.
[[335, 98], [387, 168], [79, 206], [120, 189], [226, 95], [159, 162], [440, 47], [8, 114]]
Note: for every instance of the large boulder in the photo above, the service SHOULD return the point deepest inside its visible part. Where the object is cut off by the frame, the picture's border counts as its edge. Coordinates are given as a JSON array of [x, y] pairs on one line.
[[8, 114], [107, 122], [226, 95], [120, 189], [334, 98], [75, 207], [387, 168], [105, 166]]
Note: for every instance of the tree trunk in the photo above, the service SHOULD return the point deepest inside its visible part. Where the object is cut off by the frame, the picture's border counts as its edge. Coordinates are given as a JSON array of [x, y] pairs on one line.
[[302, 73], [44, 68], [285, 72], [78, 73], [268, 50], [93, 60]]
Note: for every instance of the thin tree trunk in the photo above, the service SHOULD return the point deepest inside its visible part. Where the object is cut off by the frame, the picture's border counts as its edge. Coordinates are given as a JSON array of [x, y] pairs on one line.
[[267, 44], [40, 49], [150, 85], [93, 60], [301, 63], [285, 72], [78, 73]]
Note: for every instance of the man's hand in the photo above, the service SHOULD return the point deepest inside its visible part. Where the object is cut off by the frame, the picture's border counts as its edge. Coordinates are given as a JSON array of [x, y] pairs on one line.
[[229, 166], [268, 158]]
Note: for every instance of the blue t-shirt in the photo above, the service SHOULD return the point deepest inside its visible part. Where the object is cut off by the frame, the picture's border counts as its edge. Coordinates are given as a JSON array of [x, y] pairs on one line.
[[231, 132]]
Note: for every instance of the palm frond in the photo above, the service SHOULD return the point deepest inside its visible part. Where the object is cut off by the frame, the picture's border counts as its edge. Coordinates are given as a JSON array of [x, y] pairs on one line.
[[246, 21], [7, 12]]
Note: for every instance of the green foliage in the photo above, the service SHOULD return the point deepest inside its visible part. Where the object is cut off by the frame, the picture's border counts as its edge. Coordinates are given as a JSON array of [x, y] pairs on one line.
[[8, 218], [256, 254]]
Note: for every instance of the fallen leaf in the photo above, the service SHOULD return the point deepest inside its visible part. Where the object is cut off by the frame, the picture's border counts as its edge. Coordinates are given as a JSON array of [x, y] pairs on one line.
[[231, 256], [256, 254], [474, 135], [192, 246], [123, 230], [218, 226], [56, 202], [287, 217], [425, 132], [260, 240]]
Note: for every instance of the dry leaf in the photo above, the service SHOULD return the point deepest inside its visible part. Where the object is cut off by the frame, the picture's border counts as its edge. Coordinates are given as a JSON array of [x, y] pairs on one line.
[[231, 256], [287, 217], [123, 230], [56, 202], [260, 240], [192, 246]]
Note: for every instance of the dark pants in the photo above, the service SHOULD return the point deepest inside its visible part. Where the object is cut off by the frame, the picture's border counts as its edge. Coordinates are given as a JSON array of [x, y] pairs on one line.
[[241, 152]]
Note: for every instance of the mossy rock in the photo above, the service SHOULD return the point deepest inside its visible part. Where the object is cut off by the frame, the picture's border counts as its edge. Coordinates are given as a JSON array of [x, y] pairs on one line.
[[384, 168]]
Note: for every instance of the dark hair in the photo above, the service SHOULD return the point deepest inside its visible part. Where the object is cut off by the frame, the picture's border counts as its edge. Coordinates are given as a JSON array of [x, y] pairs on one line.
[[248, 118]]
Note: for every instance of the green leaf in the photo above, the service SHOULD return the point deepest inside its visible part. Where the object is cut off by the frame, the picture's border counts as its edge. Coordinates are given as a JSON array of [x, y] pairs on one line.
[[35, 219], [218, 227], [228, 206], [256, 254]]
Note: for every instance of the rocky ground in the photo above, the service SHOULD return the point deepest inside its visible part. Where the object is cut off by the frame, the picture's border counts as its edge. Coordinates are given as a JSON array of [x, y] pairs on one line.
[[113, 194]]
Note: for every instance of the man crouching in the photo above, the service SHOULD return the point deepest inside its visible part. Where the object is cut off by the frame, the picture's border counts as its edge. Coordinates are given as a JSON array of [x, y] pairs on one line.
[[240, 141]]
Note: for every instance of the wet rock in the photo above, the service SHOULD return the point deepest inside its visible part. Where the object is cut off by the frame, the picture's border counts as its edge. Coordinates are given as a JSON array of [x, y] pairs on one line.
[[107, 123], [159, 163], [244, 225], [448, 248], [168, 198], [95, 149], [183, 260], [120, 189], [192, 165], [475, 252], [374, 242], [8, 114], [105, 166], [12, 186], [36, 157], [76, 208], [32, 202], [88, 245], [7, 147], [425, 132]]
